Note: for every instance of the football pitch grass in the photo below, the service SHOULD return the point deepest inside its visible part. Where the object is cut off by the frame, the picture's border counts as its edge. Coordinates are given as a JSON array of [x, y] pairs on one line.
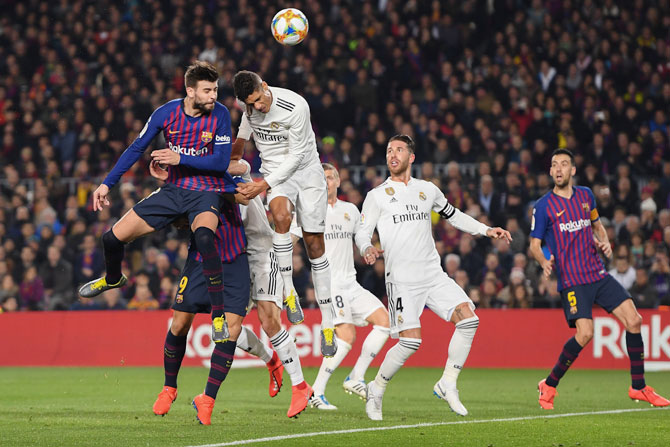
[[112, 406]]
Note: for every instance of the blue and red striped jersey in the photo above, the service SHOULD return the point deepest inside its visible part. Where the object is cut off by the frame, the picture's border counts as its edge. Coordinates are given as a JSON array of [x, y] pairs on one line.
[[203, 143], [230, 238], [565, 226]]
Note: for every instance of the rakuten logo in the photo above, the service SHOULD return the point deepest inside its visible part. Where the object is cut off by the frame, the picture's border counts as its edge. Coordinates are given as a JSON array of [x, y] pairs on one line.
[[573, 226], [610, 337], [187, 150]]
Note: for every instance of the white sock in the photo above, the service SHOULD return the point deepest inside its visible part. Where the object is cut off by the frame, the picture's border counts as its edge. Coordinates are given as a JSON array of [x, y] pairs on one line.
[[395, 358], [328, 367], [459, 348], [283, 248], [373, 343], [288, 354], [321, 280], [248, 341]]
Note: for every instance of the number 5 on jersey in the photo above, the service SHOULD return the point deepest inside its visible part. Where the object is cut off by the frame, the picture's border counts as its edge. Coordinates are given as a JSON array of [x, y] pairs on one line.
[[572, 301]]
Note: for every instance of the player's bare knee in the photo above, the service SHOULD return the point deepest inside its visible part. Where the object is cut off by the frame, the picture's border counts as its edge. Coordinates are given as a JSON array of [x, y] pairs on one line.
[[180, 327], [282, 220], [584, 336], [271, 326], [634, 323], [346, 333], [234, 329]]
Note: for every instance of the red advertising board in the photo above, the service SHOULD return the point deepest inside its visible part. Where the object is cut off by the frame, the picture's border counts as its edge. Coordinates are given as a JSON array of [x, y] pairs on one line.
[[505, 339]]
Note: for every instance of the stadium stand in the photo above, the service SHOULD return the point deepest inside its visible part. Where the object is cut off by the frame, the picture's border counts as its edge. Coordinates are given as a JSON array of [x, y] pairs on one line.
[[487, 89]]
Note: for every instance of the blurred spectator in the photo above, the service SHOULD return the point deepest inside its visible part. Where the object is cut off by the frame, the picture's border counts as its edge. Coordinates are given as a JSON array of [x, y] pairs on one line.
[[623, 271], [113, 300], [57, 276], [643, 291], [89, 263], [143, 300], [9, 304], [31, 290]]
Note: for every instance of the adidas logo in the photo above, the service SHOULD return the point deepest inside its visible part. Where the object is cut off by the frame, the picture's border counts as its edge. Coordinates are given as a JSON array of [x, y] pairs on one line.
[[393, 199], [261, 291]]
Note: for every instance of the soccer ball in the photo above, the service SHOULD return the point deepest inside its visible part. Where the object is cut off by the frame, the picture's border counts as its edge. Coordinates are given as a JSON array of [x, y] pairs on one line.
[[289, 26]]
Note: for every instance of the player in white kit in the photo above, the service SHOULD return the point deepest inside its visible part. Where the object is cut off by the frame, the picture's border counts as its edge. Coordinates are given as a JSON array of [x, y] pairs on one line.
[[353, 305], [400, 209], [279, 121]]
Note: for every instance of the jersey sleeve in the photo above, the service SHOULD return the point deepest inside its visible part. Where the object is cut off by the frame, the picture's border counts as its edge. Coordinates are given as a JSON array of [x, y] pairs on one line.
[[221, 148], [538, 223], [244, 130], [133, 153], [592, 205], [455, 216], [298, 145], [368, 222]]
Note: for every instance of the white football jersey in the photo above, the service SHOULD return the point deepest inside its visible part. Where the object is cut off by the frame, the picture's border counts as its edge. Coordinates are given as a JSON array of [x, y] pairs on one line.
[[283, 136], [256, 226], [342, 223], [402, 215]]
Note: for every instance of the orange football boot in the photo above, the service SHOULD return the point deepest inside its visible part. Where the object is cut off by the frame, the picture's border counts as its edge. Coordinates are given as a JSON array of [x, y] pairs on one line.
[[301, 395], [276, 369], [164, 400], [204, 405], [547, 394], [647, 394]]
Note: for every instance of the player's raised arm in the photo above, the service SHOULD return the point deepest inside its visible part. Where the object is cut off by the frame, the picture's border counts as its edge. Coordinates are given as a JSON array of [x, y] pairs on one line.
[[299, 144], [464, 222], [127, 159], [363, 237]]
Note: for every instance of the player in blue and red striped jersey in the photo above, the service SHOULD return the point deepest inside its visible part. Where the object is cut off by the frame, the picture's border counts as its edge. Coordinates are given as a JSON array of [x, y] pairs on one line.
[[192, 298], [566, 218], [197, 130]]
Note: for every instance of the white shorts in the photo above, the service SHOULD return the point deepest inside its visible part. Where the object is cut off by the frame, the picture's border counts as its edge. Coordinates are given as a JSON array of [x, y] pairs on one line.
[[407, 301], [266, 281], [307, 191], [353, 304]]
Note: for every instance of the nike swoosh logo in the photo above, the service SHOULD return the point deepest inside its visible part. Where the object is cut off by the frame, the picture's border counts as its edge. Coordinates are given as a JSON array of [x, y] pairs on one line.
[[212, 207], [560, 214], [172, 132]]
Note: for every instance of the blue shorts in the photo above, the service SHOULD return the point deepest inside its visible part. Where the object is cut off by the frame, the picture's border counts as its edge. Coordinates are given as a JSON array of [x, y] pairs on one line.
[[160, 208], [578, 300], [192, 296]]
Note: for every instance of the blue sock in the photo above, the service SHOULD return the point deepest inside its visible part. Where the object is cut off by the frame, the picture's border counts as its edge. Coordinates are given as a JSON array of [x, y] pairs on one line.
[[173, 354], [570, 352], [635, 347], [222, 359]]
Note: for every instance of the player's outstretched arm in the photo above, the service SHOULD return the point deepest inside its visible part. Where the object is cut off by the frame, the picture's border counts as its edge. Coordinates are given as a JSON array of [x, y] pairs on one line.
[[127, 159], [536, 250], [499, 233], [238, 149]]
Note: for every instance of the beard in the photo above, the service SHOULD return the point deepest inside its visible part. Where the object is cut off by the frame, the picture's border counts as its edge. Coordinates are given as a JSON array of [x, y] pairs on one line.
[[563, 183], [402, 167], [203, 107]]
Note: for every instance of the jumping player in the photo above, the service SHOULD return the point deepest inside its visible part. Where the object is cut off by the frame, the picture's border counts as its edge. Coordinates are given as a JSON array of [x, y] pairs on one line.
[[400, 209], [267, 289], [567, 219], [197, 130], [279, 119]]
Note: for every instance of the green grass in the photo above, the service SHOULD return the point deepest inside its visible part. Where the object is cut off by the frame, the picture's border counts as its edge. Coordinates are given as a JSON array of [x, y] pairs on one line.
[[112, 406]]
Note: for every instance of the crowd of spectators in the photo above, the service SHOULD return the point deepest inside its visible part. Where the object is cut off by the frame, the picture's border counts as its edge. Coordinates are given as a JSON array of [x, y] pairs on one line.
[[487, 89]]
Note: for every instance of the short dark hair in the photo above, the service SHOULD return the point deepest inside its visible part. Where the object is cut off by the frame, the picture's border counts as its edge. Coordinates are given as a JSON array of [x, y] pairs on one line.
[[562, 151], [405, 139], [245, 83], [200, 71]]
